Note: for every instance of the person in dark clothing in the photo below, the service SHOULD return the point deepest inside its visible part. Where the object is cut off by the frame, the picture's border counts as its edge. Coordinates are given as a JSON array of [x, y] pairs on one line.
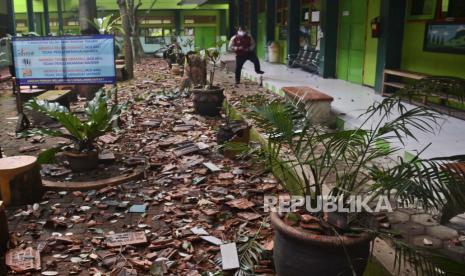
[[244, 47]]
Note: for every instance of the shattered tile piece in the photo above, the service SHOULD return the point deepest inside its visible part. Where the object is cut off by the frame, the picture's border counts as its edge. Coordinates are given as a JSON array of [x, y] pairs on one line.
[[198, 180], [224, 176], [229, 257], [202, 145], [137, 208], [121, 239], [199, 231], [240, 203], [212, 167], [182, 128], [211, 239], [151, 123], [28, 149], [108, 138], [106, 157], [248, 215], [23, 260], [185, 148]]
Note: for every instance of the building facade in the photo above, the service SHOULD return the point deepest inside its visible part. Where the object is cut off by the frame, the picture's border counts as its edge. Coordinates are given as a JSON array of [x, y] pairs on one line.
[[357, 39], [205, 24]]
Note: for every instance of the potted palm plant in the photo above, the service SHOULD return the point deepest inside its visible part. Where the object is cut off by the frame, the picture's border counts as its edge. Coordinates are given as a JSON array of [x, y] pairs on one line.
[[313, 161], [208, 99], [100, 119]]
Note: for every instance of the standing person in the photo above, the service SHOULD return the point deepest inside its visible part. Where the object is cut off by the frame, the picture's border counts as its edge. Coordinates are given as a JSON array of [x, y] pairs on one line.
[[244, 46]]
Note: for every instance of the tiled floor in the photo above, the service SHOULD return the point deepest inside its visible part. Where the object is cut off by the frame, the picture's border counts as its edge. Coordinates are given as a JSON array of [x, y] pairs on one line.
[[350, 100]]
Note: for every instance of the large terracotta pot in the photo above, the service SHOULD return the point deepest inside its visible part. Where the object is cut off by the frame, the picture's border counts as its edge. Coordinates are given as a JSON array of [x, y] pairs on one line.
[[208, 101], [82, 161], [300, 253]]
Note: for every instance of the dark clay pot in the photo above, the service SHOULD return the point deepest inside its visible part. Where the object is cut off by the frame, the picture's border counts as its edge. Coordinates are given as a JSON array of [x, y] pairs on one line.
[[82, 161], [208, 101], [300, 253]]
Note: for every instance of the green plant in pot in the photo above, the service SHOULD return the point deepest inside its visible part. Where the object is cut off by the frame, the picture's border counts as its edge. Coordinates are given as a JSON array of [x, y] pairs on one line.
[[208, 100], [100, 118], [312, 161]]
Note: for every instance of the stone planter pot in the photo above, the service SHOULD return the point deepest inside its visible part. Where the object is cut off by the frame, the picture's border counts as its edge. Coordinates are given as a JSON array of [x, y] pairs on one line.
[[208, 101], [82, 161], [300, 253]]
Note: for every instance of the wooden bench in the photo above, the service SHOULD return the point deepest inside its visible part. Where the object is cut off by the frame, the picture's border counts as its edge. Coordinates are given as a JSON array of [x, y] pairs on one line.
[[56, 96], [73, 96], [61, 97], [316, 104], [28, 93], [399, 74]]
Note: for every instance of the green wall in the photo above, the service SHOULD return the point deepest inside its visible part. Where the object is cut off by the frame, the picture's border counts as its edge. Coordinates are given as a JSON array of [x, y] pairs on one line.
[[371, 47], [415, 59]]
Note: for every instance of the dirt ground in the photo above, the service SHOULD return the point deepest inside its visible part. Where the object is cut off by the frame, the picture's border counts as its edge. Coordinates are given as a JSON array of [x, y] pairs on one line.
[[180, 195]]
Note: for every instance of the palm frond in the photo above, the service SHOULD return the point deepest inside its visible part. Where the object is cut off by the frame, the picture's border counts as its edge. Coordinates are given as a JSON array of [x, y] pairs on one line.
[[424, 182]]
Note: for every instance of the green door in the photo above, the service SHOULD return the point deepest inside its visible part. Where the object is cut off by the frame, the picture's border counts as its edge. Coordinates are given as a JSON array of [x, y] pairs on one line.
[[351, 40], [205, 37]]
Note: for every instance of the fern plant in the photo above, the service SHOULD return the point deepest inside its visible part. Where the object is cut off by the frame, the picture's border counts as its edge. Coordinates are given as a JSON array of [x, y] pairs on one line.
[[100, 119]]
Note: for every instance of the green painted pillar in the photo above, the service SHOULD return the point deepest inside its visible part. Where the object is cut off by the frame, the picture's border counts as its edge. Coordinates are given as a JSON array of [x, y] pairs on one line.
[[60, 17], [232, 18], [177, 21], [270, 20], [293, 26], [254, 19], [328, 43], [240, 13], [392, 18], [30, 15], [11, 17], [223, 23], [46, 17]]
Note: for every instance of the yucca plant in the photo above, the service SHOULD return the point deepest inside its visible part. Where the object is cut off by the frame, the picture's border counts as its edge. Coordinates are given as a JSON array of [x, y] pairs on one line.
[[100, 118], [306, 155]]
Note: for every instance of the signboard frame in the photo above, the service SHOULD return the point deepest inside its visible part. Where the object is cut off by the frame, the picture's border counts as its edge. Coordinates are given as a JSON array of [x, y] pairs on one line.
[[107, 79]]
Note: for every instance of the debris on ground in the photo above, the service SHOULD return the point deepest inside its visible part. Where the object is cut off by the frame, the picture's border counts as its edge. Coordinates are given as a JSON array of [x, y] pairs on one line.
[[182, 217]]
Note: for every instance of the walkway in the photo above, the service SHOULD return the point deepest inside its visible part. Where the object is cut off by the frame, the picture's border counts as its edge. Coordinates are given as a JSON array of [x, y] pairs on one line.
[[350, 100]]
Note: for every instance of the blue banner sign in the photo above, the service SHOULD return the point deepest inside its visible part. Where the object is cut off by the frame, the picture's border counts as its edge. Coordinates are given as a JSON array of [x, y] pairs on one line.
[[64, 60]]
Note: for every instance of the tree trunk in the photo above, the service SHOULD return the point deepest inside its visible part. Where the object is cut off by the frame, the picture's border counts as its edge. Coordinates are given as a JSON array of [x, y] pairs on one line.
[[23, 184], [138, 49], [87, 14], [137, 46], [128, 55]]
